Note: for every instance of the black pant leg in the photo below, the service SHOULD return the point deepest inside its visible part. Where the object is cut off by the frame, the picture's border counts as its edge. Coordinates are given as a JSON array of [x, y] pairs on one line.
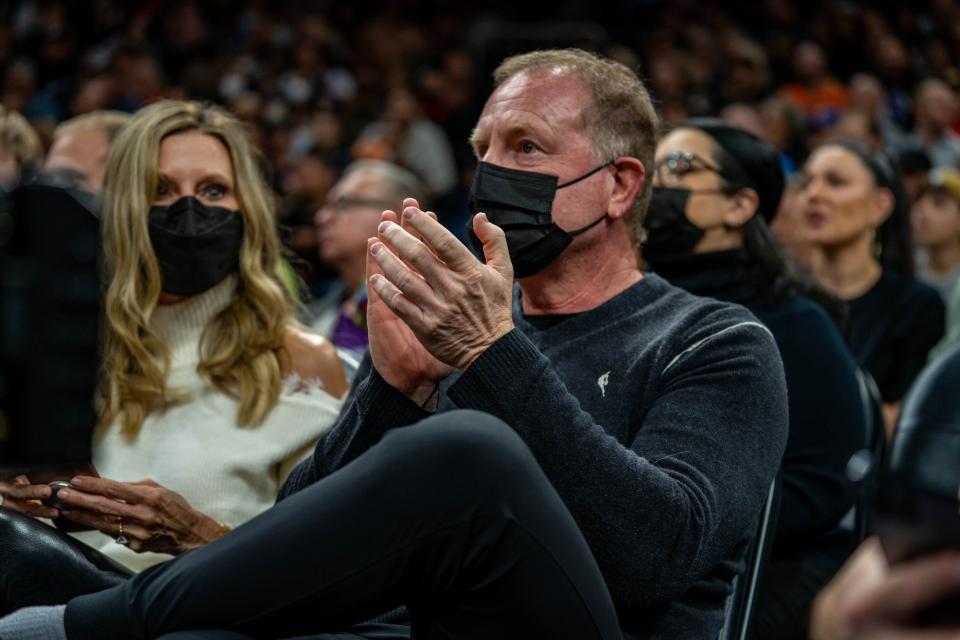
[[359, 632], [451, 517], [42, 565]]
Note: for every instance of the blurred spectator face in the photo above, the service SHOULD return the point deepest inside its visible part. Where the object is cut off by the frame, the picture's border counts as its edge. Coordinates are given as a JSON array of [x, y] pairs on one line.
[[891, 55], [20, 148], [810, 64], [775, 114], [667, 78], [80, 155], [935, 218], [747, 72], [9, 171], [402, 106], [674, 113], [350, 216], [841, 201], [94, 94], [790, 228], [855, 125], [866, 93], [936, 104], [327, 131], [314, 176], [743, 116]]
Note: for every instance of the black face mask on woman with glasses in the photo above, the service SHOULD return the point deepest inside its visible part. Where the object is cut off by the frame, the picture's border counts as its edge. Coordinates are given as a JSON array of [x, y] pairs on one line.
[[670, 234]]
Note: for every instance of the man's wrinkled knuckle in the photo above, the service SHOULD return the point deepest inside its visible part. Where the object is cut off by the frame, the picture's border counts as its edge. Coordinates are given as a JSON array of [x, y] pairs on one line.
[[419, 254], [431, 329], [396, 298], [404, 280]]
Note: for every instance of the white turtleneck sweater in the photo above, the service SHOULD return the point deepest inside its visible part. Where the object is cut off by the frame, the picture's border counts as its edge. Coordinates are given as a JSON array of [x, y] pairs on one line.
[[228, 472]]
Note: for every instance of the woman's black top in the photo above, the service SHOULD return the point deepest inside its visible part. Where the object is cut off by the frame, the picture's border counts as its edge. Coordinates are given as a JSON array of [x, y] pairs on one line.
[[827, 420], [892, 328]]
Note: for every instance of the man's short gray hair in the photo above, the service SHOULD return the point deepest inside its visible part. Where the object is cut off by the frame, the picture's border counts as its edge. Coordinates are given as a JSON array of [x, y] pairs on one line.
[[110, 122], [401, 182], [621, 120]]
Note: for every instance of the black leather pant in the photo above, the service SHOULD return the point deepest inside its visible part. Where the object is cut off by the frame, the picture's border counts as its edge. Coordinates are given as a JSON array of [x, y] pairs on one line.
[[451, 517], [41, 565]]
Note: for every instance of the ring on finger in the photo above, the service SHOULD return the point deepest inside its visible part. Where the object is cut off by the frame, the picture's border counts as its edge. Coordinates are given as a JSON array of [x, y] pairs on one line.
[[121, 539]]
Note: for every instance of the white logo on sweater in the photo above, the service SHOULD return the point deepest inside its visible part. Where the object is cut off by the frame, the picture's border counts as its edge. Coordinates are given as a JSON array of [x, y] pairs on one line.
[[602, 382]]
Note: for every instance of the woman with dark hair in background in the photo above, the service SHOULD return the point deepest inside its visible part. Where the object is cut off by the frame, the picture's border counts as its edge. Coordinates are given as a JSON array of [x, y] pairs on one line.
[[856, 211], [715, 189]]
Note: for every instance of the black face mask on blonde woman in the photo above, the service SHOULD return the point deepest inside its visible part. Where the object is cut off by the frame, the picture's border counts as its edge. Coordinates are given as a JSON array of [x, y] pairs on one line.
[[197, 246]]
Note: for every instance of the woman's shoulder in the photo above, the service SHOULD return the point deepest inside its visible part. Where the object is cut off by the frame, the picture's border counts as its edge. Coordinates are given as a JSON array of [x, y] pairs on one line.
[[310, 357], [798, 314], [909, 291]]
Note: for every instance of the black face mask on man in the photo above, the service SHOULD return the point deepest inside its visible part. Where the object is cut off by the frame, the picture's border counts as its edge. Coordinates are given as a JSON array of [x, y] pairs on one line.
[[520, 203], [197, 246], [670, 234]]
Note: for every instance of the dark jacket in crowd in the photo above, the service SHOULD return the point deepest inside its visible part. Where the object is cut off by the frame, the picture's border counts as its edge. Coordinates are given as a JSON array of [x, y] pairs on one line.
[[659, 417], [893, 326]]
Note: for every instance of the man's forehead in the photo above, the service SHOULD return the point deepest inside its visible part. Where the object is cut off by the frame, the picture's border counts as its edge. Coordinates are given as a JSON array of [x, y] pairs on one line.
[[89, 138], [552, 96]]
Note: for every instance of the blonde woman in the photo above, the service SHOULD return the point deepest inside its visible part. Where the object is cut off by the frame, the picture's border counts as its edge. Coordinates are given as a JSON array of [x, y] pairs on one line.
[[211, 392]]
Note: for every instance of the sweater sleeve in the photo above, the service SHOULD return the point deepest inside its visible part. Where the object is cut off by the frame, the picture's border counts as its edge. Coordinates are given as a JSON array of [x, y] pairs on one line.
[[661, 511], [371, 409]]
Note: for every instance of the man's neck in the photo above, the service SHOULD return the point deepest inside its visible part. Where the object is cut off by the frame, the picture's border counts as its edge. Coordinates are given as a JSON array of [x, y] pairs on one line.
[[943, 259], [580, 282], [929, 132], [844, 272], [352, 276]]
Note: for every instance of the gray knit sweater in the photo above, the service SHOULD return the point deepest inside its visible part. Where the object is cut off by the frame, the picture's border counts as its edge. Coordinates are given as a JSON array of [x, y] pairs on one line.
[[659, 417]]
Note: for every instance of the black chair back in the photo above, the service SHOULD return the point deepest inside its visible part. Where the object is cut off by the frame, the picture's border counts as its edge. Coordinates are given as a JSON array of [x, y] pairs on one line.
[[876, 445], [738, 612]]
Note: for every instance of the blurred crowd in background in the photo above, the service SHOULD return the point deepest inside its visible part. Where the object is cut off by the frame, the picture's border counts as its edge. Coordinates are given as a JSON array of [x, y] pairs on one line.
[[323, 83]]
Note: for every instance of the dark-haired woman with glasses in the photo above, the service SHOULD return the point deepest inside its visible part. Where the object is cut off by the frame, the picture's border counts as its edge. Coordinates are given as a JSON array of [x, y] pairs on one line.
[[856, 213], [716, 188]]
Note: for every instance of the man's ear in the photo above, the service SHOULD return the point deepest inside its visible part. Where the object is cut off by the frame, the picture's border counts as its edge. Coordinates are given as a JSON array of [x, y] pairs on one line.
[[884, 202], [742, 205], [629, 177]]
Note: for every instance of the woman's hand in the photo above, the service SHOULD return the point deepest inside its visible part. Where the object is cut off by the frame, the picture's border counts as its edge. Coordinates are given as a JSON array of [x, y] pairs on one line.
[[26, 498], [153, 518]]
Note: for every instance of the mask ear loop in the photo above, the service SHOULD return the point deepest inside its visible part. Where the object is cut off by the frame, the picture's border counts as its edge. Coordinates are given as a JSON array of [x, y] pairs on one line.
[[586, 175], [591, 225], [587, 227]]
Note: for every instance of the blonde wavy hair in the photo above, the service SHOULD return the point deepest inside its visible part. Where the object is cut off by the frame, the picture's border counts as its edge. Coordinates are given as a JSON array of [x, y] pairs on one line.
[[238, 345]]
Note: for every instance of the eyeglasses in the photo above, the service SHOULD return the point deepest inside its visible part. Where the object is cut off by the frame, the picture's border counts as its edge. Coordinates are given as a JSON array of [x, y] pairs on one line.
[[671, 169], [343, 203]]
